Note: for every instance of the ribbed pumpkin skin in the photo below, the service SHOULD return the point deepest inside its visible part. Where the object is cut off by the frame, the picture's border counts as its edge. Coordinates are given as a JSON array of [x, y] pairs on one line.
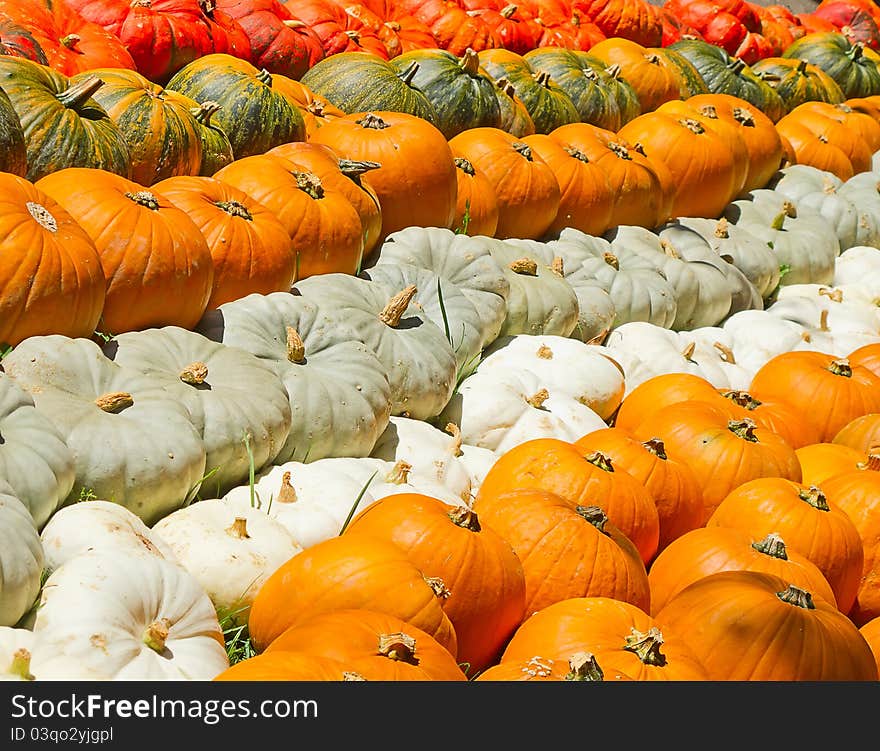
[[798, 81], [564, 554], [355, 637], [861, 434], [821, 461], [707, 550], [348, 572], [13, 149], [161, 132], [620, 635], [71, 131], [285, 666], [253, 115], [478, 566], [691, 83], [476, 208], [539, 668], [216, 148], [741, 629], [362, 82], [462, 96], [515, 118], [854, 72], [871, 632], [21, 42], [51, 281], [156, 262]]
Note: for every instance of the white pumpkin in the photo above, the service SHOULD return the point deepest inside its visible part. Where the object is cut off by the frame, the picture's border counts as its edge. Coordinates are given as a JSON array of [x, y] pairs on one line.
[[98, 525], [716, 353], [499, 409], [856, 264], [16, 645], [106, 615], [231, 550], [565, 365], [757, 336], [21, 558]]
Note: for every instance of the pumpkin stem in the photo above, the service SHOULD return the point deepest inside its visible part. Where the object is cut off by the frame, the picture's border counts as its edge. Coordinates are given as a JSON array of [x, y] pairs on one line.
[[156, 634], [294, 23], [77, 95], [194, 374], [234, 208], [736, 65], [600, 460], [773, 546], [523, 149], [835, 295], [815, 497], [798, 597], [583, 667], [743, 399], [350, 675], [856, 51], [722, 230], [205, 111], [612, 260], [872, 462], [464, 517], [619, 150], [544, 352], [310, 184], [542, 78], [744, 429], [399, 646], [373, 121], [525, 266], [296, 349], [693, 126], [614, 71], [42, 216], [238, 528], [557, 266], [399, 474], [264, 76], [688, 352], [470, 62], [409, 73], [144, 198], [391, 314], [353, 169], [841, 367], [669, 249], [744, 117], [726, 352], [286, 493], [438, 586], [823, 320], [21, 664], [656, 447], [537, 399], [70, 41], [646, 645], [464, 165], [576, 153], [802, 66], [114, 402], [594, 515], [710, 111], [455, 432]]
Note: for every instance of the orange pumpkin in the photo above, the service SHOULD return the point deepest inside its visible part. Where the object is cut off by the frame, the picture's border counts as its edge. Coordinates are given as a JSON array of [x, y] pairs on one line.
[[581, 666], [864, 125], [156, 262], [376, 645], [416, 182], [807, 146], [51, 280], [584, 478], [315, 109], [871, 633], [868, 356], [808, 522], [660, 391], [350, 571], [476, 207], [708, 550], [838, 132], [752, 626], [484, 576], [861, 434], [525, 186], [567, 549], [821, 461], [288, 666], [673, 485], [620, 635], [834, 391]]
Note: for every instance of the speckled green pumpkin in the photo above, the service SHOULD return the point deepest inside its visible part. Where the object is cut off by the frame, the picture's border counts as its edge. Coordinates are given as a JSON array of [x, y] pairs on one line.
[[63, 125], [216, 148], [364, 82], [692, 82], [856, 74], [798, 81], [253, 115], [624, 94], [462, 95], [13, 150]]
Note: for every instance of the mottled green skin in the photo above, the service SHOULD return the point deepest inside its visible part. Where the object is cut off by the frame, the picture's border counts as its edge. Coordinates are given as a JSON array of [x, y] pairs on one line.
[[857, 75], [624, 94], [692, 82], [13, 149], [796, 87]]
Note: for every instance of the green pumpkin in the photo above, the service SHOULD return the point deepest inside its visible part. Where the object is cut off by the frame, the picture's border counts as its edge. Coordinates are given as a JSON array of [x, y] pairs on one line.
[[692, 82], [845, 62], [255, 116], [624, 94], [362, 82], [216, 148], [13, 149], [589, 87], [462, 95], [798, 81], [546, 102], [515, 118], [63, 125], [161, 133], [724, 74]]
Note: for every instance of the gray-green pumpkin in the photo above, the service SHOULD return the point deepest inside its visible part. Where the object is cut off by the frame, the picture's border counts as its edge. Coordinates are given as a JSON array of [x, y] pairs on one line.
[[132, 442], [237, 403], [21, 558], [340, 398]]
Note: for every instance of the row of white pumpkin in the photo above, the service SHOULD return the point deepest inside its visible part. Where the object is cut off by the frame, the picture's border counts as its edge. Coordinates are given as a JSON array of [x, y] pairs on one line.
[[440, 464]]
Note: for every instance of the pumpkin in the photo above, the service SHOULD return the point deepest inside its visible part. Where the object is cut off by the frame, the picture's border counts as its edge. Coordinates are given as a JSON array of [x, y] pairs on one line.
[[526, 188], [798, 81], [483, 573], [627, 19], [841, 59], [34, 458], [157, 276], [822, 461], [566, 549], [62, 125], [476, 205], [419, 360], [230, 551], [17, 41], [98, 525], [583, 478], [871, 632], [515, 118], [148, 619], [339, 395], [21, 564], [237, 402], [157, 124], [216, 148], [350, 571], [106, 414], [622, 635], [15, 654], [376, 645], [707, 550], [861, 434], [315, 109], [12, 142], [734, 620], [416, 184], [249, 245], [581, 666], [831, 131], [288, 666], [253, 114]]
